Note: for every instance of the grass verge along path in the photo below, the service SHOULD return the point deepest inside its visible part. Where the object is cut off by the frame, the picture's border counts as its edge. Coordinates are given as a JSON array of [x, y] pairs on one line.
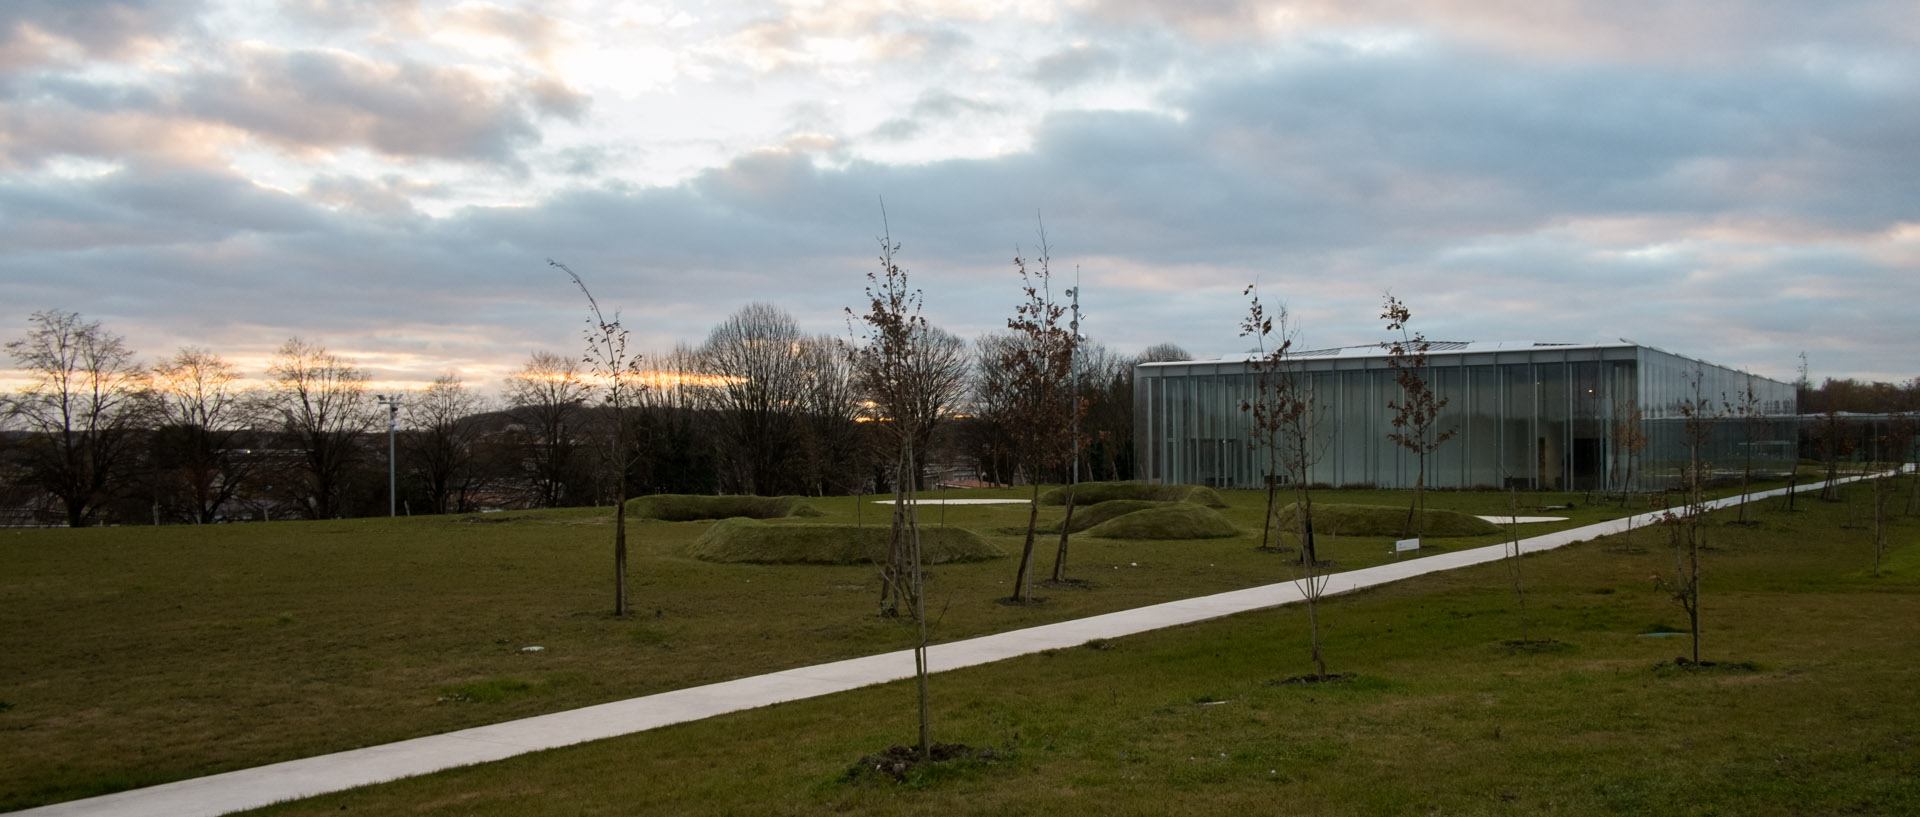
[[223, 793]]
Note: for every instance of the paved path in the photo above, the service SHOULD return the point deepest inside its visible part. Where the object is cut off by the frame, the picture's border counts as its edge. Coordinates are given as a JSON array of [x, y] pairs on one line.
[[251, 788]]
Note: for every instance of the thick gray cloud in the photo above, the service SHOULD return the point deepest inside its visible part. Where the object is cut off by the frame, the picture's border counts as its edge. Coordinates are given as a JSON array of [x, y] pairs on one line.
[[36, 32], [1075, 66], [1741, 208], [326, 100]]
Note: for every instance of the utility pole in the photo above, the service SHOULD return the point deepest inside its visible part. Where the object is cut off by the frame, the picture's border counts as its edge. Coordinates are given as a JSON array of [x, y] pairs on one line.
[[392, 402]]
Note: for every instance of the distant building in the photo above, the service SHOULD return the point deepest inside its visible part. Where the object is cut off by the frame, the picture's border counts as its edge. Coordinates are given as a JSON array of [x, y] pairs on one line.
[[1534, 415]]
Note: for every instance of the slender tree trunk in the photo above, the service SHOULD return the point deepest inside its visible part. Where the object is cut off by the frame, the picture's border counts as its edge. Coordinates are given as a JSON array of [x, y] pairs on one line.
[[1693, 590], [917, 587], [1066, 525], [1313, 625], [1266, 523], [620, 549], [1309, 552], [1026, 552]]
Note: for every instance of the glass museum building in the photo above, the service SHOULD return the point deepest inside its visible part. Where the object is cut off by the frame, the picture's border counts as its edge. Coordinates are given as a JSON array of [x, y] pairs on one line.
[[1537, 416]]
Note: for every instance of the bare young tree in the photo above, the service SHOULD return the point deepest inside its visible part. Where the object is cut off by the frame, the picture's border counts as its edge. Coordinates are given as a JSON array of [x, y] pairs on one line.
[[1830, 434], [619, 367], [547, 399], [200, 413], [1629, 440], [1513, 554], [440, 445], [891, 362], [1282, 411], [82, 408], [1687, 533], [1272, 392], [1745, 406], [319, 401], [1416, 414], [1040, 407]]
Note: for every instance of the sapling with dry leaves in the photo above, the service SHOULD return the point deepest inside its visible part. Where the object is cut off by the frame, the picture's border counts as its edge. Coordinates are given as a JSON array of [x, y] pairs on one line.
[[1040, 410], [884, 362], [1416, 415], [614, 363]]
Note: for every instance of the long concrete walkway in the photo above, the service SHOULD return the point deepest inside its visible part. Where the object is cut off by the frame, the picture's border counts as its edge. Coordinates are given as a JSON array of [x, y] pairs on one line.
[[263, 785]]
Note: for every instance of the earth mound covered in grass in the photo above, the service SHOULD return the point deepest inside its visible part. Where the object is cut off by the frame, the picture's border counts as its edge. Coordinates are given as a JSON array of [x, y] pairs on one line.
[[1382, 520], [749, 540], [1178, 520], [1092, 493], [1091, 515], [691, 507]]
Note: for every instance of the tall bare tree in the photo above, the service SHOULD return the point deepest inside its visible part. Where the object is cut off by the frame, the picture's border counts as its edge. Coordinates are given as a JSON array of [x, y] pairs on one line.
[[891, 362], [619, 367], [82, 408], [201, 413], [753, 359], [319, 400], [1416, 415], [680, 453], [1040, 408], [990, 409], [830, 411], [1164, 353], [444, 428], [547, 399], [937, 365]]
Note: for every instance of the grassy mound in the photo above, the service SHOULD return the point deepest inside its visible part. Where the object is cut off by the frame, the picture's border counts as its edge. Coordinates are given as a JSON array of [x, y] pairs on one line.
[[1087, 516], [1172, 521], [747, 540], [1383, 520], [689, 507], [1093, 493]]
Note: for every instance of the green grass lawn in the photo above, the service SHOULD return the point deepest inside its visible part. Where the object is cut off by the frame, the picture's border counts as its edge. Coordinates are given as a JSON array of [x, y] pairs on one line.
[[139, 655], [1444, 716]]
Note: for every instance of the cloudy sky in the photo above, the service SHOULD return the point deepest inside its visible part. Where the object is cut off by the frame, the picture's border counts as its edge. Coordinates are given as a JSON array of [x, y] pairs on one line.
[[1736, 181]]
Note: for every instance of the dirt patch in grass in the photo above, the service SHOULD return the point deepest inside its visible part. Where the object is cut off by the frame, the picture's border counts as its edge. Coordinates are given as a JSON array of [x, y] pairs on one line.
[[1682, 664], [903, 764], [1316, 678], [1538, 646]]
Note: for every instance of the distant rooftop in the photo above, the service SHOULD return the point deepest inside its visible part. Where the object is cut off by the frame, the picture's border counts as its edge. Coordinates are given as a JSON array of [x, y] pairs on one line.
[[1433, 347]]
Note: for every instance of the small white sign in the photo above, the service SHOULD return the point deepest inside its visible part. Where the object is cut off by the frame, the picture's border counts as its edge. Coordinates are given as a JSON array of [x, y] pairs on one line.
[[1406, 545]]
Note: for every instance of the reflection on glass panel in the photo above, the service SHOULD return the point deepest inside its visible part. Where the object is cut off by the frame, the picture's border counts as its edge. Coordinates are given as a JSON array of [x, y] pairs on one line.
[[1480, 433]]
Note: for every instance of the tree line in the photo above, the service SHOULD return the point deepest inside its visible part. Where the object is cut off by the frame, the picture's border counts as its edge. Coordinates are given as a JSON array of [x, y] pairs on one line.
[[99, 436]]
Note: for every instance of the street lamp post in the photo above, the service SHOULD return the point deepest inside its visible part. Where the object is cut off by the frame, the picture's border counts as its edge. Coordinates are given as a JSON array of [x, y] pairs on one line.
[[392, 402]]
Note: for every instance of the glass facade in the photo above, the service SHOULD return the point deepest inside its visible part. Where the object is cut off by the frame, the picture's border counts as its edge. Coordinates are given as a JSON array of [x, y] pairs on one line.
[[1535, 416]]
